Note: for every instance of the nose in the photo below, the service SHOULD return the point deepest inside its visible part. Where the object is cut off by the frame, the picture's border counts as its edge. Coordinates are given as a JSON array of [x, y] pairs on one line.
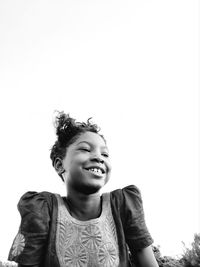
[[97, 158]]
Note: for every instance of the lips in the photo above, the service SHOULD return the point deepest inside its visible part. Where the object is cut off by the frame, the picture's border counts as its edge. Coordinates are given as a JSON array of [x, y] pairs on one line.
[[95, 169]]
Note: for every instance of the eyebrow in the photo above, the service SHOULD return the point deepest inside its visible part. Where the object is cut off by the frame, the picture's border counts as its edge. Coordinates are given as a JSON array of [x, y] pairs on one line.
[[91, 144]]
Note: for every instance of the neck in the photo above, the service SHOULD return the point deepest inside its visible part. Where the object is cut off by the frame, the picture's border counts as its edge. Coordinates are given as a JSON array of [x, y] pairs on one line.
[[84, 207]]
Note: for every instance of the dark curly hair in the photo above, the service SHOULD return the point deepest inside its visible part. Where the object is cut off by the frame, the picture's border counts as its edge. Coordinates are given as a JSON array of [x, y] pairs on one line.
[[67, 131]]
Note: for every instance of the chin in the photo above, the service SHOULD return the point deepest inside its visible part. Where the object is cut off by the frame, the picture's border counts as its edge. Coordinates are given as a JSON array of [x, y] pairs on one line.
[[90, 188]]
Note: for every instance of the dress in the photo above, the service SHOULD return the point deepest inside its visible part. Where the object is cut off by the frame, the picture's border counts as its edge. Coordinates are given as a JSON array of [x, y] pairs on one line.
[[37, 240]]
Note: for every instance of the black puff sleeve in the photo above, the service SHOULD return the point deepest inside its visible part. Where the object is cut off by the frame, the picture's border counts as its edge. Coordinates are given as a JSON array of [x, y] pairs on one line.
[[28, 247], [136, 233]]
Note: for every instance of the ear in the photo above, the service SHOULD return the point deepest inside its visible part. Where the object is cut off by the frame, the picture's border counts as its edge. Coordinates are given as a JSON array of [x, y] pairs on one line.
[[59, 166]]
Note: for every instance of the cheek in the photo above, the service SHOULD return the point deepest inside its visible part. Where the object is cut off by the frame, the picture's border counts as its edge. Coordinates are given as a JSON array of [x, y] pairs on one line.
[[74, 167], [66, 164], [109, 166]]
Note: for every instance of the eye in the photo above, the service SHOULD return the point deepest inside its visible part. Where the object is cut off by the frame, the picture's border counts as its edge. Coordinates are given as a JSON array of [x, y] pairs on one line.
[[105, 154], [84, 149]]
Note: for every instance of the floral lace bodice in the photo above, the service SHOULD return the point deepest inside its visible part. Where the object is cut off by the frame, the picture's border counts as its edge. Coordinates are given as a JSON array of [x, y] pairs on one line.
[[91, 243]]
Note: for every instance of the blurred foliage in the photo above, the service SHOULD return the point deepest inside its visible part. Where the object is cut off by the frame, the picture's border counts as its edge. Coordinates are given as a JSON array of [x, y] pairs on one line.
[[166, 261], [190, 257]]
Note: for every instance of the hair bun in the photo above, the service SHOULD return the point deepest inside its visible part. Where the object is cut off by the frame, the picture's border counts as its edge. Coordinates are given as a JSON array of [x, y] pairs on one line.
[[62, 121]]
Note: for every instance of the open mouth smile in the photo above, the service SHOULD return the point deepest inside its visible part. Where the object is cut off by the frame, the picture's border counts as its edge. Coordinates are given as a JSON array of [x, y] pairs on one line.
[[96, 170]]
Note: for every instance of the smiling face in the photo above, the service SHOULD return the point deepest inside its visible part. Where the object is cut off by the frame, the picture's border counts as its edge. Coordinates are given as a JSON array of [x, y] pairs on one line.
[[87, 164]]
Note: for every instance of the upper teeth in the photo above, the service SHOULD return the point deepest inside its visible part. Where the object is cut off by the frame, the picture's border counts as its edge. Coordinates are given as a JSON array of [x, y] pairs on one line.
[[95, 170]]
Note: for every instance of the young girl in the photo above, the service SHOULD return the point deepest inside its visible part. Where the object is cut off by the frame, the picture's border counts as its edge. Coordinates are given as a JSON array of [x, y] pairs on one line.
[[84, 228]]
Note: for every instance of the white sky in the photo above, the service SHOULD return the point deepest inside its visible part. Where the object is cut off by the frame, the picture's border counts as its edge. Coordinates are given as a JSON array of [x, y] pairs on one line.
[[131, 65]]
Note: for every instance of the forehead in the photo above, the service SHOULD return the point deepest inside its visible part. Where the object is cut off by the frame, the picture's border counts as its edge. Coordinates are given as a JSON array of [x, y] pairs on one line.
[[91, 138]]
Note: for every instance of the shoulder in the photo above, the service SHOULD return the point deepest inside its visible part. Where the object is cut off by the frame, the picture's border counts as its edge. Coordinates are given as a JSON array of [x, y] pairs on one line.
[[38, 195], [36, 215], [127, 193], [127, 204], [128, 189], [35, 209], [32, 198], [127, 200]]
